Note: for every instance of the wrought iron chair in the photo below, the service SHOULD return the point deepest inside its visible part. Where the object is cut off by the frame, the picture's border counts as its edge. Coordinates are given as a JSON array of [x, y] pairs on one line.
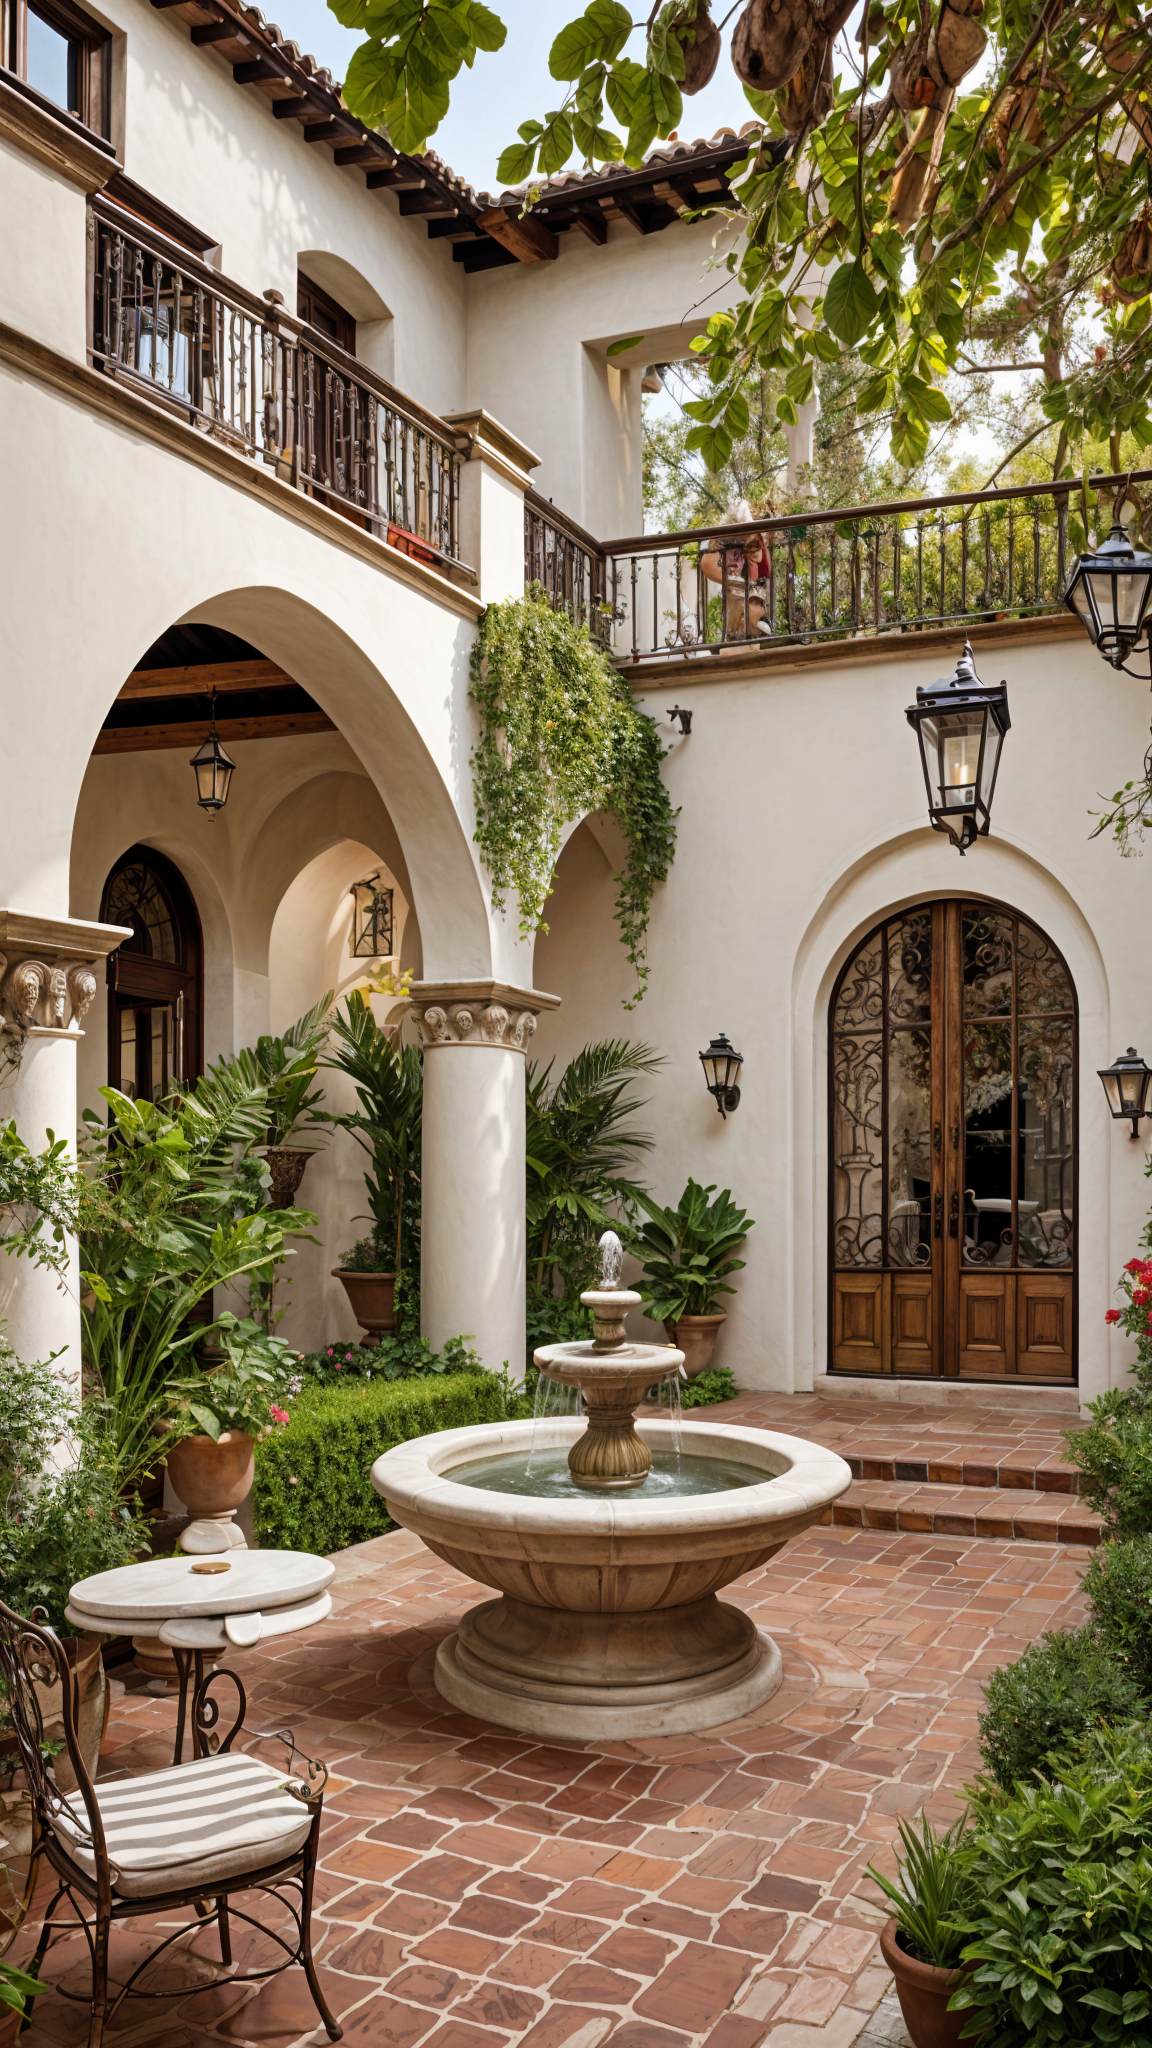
[[192, 1835]]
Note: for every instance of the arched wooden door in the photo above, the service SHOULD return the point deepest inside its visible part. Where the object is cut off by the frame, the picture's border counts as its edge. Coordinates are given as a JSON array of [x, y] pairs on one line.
[[953, 1150], [153, 978]]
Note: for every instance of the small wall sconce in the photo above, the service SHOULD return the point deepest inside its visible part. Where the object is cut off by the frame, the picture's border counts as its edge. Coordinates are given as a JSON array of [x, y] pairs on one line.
[[722, 1064], [371, 919], [681, 717], [1126, 1084]]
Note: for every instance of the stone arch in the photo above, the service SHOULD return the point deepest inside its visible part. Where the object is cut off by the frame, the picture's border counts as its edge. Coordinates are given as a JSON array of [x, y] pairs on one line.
[[375, 325]]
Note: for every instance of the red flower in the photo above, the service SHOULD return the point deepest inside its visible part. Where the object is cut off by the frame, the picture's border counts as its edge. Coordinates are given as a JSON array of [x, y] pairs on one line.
[[1113, 1316], [278, 1414], [1134, 1266], [1141, 1297]]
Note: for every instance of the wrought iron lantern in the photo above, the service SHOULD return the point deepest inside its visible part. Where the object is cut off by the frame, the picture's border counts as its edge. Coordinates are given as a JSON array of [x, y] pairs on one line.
[[960, 723], [1126, 1084], [722, 1064], [1111, 593], [213, 769], [371, 919]]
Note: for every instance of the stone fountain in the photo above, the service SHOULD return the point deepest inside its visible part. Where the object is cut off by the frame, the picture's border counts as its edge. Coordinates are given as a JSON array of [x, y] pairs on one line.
[[607, 1545]]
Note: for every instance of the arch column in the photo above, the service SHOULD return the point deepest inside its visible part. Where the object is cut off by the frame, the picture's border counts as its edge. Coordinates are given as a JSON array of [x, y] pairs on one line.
[[50, 969], [472, 1269]]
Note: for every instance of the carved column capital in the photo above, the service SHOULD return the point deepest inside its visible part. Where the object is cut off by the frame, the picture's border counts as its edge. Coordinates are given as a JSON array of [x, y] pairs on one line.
[[485, 1013], [50, 969]]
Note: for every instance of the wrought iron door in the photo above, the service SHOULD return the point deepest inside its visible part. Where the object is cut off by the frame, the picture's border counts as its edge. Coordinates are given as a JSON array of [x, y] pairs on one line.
[[953, 1150]]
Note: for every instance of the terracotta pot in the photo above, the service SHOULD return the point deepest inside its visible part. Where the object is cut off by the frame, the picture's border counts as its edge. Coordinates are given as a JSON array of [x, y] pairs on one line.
[[372, 1297], [411, 544], [83, 1654], [286, 1164], [696, 1337], [213, 1478], [923, 1991]]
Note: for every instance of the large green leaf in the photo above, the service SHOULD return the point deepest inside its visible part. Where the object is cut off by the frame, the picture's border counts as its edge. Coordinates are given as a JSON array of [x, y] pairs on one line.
[[599, 34], [850, 303]]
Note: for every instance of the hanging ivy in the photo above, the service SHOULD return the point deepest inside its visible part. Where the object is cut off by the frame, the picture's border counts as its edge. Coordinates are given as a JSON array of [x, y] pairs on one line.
[[561, 737]]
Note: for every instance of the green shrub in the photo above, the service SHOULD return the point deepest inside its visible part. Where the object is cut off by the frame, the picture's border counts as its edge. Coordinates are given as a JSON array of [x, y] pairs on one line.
[[717, 1384], [313, 1489], [402, 1357], [1118, 1583], [1061, 1936], [1114, 1454], [1049, 1701]]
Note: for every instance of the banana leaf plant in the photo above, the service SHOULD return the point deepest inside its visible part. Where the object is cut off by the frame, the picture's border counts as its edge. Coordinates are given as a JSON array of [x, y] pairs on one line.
[[580, 1149], [284, 1067], [688, 1252]]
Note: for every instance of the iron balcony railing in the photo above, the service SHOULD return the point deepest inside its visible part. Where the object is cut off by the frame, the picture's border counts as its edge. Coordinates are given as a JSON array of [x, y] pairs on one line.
[[566, 564], [840, 574], [266, 384]]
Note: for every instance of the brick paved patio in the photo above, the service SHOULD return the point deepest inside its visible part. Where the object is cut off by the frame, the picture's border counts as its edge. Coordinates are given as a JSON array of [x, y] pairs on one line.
[[480, 1889]]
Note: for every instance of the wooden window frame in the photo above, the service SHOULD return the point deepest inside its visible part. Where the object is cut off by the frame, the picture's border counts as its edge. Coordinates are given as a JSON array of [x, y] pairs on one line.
[[94, 47], [345, 336]]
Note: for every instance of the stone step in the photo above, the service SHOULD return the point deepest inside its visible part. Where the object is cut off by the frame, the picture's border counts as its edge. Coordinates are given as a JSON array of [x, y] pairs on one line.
[[922, 1465], [1022, 1514]]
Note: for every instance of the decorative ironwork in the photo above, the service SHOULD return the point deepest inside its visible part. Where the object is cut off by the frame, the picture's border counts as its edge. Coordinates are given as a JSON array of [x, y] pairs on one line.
[[567, 565]]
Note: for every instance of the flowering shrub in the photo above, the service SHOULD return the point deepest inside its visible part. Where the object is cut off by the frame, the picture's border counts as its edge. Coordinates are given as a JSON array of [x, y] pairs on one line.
[[406, 1357], [1135, 1319]]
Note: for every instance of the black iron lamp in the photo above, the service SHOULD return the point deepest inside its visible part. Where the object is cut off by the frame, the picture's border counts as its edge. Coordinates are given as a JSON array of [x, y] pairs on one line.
[[371, 919], [1126, 1084], [1111, 593], [960, 723], [213, 769], [722, 1064]]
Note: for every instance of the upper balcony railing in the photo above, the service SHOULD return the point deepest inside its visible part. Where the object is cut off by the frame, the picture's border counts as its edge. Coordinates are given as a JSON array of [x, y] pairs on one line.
[[819, 576], [268, 386]]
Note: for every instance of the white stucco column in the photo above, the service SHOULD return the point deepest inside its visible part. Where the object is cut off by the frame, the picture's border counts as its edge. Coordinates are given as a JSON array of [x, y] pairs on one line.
[[472, 1269], [495, 475], [50, 970]]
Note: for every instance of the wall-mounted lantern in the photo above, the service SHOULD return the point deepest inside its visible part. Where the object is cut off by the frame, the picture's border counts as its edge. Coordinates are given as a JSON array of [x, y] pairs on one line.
[[371, 919], [1110, 593], [213, 769], [1126, 1084], [960, 723], [722, 1064]]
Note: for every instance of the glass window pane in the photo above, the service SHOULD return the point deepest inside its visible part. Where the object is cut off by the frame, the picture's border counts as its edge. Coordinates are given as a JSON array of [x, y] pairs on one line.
[[161, 1017], [986, 943], [137, 899], [910, 1148], [1045, 1142], [858, 1173], [860, 1003], [1042, 978], [988, 1144], [910, 967], [128, 1053], [49, 69]]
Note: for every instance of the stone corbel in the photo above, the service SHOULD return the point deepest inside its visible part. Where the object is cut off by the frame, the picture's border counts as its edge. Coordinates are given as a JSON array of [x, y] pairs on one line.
[[49, 969], [483, 1013]]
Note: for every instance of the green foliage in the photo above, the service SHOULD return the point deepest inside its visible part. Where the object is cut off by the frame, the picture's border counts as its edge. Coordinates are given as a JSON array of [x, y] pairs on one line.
[[285, 1068], [579, 1147], [16, 1986], [716, 1384], [1118, 1584], [38, 1196], [235, 1391], [372, 1254], [313, 1490], [561, 737], [1049, 1701], [1114, 1454], [389, 1083], [400, 77], [1135, 1317], [551, 1319], [688, 1252], [1061, 1929], [404, 1357], [932, 1894]]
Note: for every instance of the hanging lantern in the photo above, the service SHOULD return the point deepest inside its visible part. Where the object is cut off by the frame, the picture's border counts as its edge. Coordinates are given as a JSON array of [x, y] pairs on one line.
[[1126, 1084], [960, 723], [213, 769], [1110, 593], [722, 1063], [371, 919]]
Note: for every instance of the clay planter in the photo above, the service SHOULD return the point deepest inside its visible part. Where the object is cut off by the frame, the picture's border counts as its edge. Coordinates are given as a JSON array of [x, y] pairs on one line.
[[286, 1164], [923, 1991], [696, 1337], [213, 1478], [372, 1298]]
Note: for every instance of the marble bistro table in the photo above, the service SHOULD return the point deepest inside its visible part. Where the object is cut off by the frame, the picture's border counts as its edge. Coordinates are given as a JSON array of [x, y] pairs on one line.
[[198, 1606]]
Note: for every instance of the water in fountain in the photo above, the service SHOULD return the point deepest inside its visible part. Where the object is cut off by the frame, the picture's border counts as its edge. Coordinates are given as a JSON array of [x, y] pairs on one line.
[[545, 1476], [554, 1403], [662, 1403]]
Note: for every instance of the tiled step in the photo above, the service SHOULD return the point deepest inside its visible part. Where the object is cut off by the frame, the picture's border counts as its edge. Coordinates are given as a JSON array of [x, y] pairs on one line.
[[922, 1465], [1020, 1513]]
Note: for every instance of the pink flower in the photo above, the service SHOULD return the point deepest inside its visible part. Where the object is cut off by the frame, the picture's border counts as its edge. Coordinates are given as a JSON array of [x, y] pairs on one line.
[[279, 1414], [339, 1365], [1113, 1316]]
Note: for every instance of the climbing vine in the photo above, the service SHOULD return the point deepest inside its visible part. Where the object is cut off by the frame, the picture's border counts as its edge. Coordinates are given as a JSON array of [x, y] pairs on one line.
[[561, 736]]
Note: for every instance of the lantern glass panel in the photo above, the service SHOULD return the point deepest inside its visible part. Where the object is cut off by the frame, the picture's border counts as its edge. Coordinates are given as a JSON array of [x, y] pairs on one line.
[[959, 757], [1132, 588], [1112, 1091], [1078, 597], [1132, 1090], [993, 741]]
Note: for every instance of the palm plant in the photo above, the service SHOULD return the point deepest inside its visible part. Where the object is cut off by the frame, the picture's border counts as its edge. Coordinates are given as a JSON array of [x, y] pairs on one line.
[[688, 1252], [389, 1083], [579, 1150], [284, 1067]]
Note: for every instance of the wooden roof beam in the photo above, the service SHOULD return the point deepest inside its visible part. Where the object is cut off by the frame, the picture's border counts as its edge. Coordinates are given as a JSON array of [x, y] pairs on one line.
[[417, 203], [626, 210], [525, 237], [591, 224], [395, 177], [200, 679], [220, 32], [144, 739], [362, 153]]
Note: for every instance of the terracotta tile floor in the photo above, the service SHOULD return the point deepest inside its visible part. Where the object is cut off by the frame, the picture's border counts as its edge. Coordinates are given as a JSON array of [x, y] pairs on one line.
[[480, 1889]]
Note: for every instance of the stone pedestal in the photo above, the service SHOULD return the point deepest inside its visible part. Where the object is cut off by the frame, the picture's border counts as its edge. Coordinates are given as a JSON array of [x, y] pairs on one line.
[[475, 1035]]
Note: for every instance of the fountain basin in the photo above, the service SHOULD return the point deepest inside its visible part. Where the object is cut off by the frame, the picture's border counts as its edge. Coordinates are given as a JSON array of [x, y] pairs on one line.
[[607, 1624]]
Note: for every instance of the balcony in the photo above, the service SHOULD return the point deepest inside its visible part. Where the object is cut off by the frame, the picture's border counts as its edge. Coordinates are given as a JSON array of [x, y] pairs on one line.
[[817, 577], [248, 374]]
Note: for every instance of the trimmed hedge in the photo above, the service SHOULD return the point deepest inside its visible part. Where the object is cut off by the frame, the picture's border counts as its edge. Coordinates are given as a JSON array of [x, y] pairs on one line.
[[1047, 1704], [313, 1489], [1118, 1583]]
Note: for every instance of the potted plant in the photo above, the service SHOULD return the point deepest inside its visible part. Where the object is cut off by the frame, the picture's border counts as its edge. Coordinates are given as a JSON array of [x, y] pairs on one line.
[[924, 1940], [389, 1083], [216, 1413], [285, 1067], [686, 1255]]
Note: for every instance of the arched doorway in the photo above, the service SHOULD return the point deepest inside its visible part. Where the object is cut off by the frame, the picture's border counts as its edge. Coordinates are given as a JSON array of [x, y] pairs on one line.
[[952, 1162], [154, 999]]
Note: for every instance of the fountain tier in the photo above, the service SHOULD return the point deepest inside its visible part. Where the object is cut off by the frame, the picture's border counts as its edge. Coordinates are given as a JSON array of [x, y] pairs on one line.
[[607, 1623]]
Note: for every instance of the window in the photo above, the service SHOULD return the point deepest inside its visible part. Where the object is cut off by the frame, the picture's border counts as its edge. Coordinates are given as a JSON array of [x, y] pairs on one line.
[[325, 314], [63, 56], [153, 977]]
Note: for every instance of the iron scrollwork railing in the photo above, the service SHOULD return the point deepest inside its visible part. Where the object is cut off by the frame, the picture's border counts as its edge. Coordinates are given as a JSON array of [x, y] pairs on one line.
[[566, 564], [267, 385], [836, 575]]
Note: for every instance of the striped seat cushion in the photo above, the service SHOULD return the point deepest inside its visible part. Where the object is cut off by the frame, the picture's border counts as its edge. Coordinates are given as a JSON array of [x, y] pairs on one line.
[[198, 1823]]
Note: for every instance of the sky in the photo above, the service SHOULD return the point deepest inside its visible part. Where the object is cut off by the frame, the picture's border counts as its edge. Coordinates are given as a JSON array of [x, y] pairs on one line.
[[503, 88]]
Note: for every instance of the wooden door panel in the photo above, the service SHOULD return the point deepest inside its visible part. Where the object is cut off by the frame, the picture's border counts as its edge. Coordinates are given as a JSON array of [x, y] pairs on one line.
[[858, 1319], [1044, 1325], [913, 1321], [987, 1333]]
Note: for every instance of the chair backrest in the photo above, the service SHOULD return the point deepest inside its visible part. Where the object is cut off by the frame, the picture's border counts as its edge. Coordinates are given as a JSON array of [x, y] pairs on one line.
[[33, 1662]]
